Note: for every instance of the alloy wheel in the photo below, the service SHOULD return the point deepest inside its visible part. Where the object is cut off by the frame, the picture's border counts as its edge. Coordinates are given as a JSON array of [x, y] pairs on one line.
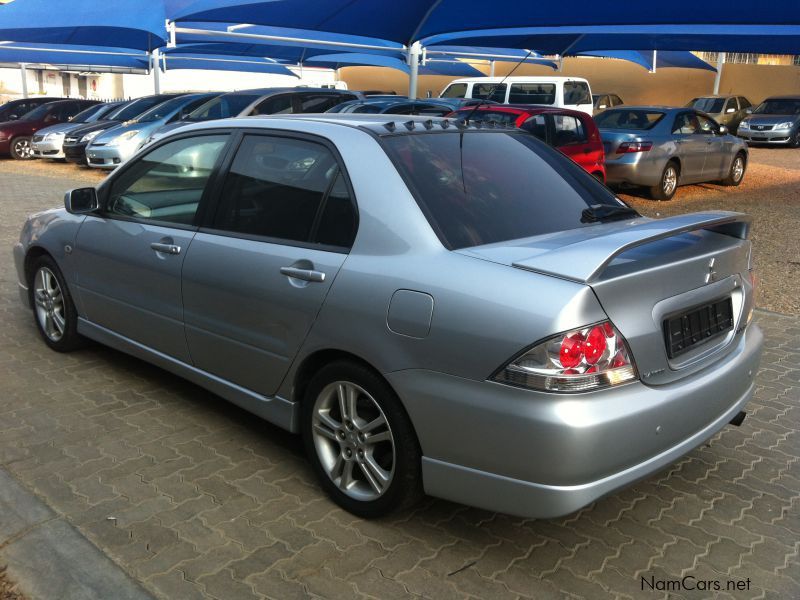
[[738, 169], [353, 440], [22, 148], [49, 301], [670, 181]]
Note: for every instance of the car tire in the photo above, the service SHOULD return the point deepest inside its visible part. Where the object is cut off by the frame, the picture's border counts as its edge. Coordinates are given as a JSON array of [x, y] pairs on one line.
[[737, 170], [794, 142], [20, 148], [346, 404], [667, 183], [53, 309]]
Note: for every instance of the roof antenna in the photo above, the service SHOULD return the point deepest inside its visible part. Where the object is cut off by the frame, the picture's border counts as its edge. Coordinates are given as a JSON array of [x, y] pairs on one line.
[[495, 86], [428, 124], [409, 125]]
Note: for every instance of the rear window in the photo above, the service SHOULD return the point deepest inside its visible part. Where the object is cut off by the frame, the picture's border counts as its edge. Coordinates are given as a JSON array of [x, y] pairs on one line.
[[778, 106], [483, 187], [631, 119], [532, 93]]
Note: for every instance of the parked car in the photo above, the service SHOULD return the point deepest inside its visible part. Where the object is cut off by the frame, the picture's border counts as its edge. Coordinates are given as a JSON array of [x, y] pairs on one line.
[[450, 309], [661, 147], [15, 136], [570, 131], [113, 147], [561, 92], [49, 142], [76, 141], [774, 121], [388, 106], [604, 101], [266, 101], [724, 109], [14, 109]]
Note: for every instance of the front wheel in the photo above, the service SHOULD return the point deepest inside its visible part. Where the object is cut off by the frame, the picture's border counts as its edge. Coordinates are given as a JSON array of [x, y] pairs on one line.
[[20, 148], [360, 440], [794, 142], [736, 173], [53, 309], [667, 185]]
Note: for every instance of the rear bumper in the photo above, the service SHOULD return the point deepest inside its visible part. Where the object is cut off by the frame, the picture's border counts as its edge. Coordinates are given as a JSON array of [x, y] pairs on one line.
[[546, 455], [633, 169]]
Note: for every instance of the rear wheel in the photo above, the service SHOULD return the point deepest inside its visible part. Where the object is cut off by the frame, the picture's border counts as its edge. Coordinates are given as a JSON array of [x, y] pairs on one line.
[[794, 142], [736, 173], [53, 309], [360, 441], [668, 184], [20, 148]]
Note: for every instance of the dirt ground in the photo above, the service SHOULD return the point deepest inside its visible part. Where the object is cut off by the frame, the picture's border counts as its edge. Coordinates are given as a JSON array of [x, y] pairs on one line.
[[770, 193], [8, 590]]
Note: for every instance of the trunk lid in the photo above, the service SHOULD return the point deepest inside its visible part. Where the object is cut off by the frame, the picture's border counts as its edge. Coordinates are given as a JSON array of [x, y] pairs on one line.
[[648, 272]]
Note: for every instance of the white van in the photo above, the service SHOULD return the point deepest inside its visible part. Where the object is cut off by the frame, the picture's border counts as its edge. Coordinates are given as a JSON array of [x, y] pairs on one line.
[[562, 92]]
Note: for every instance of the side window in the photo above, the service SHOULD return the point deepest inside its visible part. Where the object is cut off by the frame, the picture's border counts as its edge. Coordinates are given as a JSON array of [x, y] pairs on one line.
[[187, 109], [275, 188], [744, 102], [731, 104], [532, 93], [455, 90], [276, 105], [616, 100], [318, 103], [337, 222], [576, 92], [568, 130], [686, 124], [707, 126], [482, 91], [537, 125], [166, 184]]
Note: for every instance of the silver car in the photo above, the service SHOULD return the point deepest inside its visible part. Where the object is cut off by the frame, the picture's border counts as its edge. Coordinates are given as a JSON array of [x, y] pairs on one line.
[[433, 307], [661, 148], [49, 142], [775, 121]]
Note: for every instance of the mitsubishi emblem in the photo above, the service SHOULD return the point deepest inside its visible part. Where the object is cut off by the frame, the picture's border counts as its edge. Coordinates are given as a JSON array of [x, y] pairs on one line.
[[712, 274]]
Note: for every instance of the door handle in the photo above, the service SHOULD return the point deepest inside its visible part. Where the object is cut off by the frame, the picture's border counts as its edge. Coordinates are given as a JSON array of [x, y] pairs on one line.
[[165, 248], [304, 274]]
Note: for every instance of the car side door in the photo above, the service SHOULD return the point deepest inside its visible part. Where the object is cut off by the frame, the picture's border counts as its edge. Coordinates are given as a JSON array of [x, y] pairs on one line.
[[718, 150], [690, 146], [258, 271], [128, 257]]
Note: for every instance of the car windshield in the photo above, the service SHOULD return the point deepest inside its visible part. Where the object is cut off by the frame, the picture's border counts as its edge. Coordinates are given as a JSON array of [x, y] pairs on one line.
[[163, 111], [627, 118], [131, 110], [37, 114], [222, 107], [85, 115], [481, 187], [779, 107], [709, 105]]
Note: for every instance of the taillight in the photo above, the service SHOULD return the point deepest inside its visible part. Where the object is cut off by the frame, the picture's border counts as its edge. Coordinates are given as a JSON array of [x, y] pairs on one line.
[[627, 147], [581, 360]]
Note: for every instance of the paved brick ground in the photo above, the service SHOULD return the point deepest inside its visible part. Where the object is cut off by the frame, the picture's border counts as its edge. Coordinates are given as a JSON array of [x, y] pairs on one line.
[[195, 498]]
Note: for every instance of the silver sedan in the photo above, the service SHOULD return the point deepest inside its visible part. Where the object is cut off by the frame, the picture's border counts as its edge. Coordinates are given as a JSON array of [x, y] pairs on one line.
[[661, 148], [453, 310]]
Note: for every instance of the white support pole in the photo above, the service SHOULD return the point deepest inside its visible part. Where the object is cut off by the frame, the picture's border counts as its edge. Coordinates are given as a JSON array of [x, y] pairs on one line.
[[413, 63], [24, 73], [156, 66], [720, 62], [655, 59], [491, 68]]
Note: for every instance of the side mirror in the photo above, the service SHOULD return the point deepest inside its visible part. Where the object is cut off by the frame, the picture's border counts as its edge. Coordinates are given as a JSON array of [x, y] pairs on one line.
[[13, 117], [749, 111], [723, 130], [81, 201]]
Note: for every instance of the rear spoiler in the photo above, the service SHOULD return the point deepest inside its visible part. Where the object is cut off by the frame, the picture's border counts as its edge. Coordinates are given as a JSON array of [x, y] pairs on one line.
[[586, 260]]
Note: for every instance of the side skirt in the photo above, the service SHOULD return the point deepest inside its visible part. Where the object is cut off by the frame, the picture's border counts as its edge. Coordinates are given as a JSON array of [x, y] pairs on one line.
[[276, 410]]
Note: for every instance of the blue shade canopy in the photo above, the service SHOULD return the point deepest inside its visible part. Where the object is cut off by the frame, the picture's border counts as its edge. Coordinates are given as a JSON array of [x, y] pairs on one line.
[[65, 54], [248, 64], [121, 23], [664, 58], [409, 20], [352, 59]]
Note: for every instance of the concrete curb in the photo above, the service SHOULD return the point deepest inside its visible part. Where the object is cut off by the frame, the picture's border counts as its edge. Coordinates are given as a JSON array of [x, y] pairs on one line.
[[48, 558]]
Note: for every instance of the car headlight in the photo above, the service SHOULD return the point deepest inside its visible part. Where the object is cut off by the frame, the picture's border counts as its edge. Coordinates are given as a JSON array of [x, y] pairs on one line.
[[581, 360], [744, 125], [786, 125], [91, 135], [123, 137]]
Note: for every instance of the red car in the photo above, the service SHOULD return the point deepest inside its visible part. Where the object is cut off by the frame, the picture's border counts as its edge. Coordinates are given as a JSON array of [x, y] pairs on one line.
[[570, 131], [15, 136]]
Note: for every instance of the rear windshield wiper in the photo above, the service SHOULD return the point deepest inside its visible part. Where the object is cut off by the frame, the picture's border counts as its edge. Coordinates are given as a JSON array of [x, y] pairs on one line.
[[606, 212]]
